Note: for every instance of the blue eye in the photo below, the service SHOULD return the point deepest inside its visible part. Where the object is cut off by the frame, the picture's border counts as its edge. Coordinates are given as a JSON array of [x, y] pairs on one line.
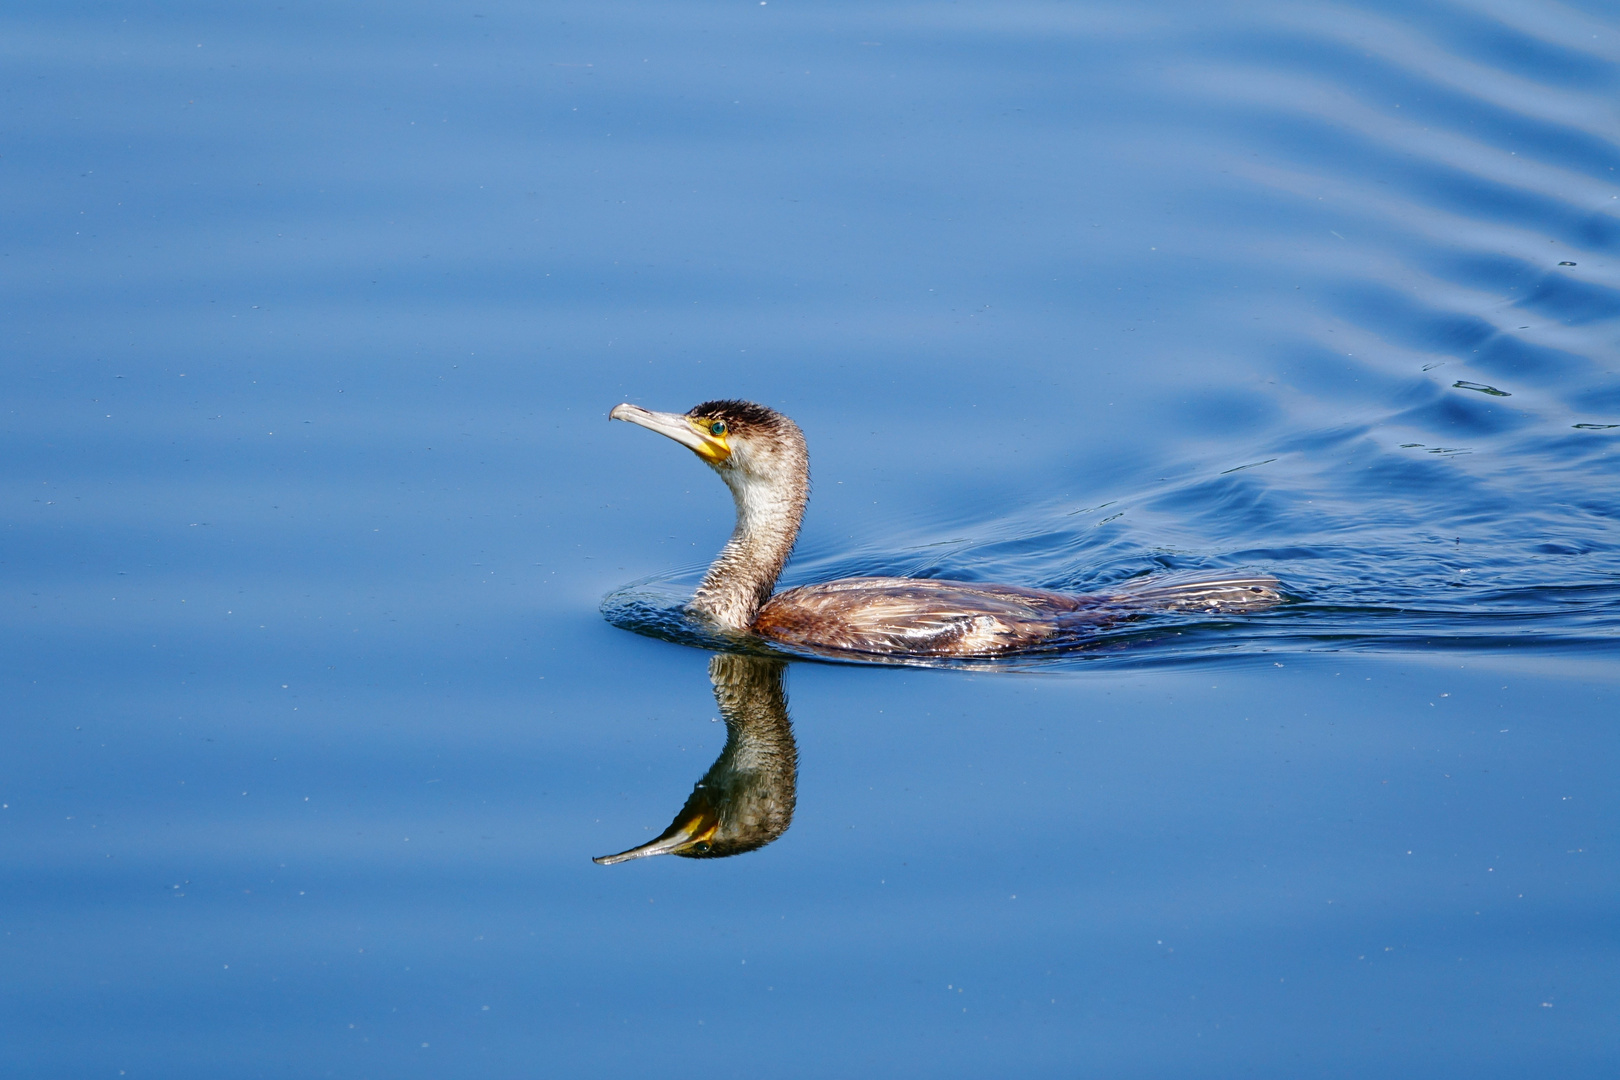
[[717, 428]]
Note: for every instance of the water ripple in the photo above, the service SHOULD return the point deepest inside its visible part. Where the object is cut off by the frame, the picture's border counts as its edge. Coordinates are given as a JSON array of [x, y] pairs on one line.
[[1444, 471]]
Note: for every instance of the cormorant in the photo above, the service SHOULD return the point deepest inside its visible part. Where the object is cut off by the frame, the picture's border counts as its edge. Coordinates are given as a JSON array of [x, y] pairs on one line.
[[761, 456]]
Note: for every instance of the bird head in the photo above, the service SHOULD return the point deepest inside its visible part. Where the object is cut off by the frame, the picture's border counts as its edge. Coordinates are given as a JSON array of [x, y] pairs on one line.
[[744, 442]]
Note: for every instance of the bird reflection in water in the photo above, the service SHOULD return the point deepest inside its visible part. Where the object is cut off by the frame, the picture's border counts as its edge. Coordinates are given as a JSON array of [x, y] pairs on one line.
[[745, 800]]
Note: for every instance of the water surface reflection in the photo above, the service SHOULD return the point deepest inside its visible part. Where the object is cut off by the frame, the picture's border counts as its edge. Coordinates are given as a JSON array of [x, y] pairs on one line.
[[746, 799]]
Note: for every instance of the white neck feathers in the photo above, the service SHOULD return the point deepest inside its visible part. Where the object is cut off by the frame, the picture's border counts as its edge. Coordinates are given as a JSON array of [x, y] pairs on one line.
[[770, 492]]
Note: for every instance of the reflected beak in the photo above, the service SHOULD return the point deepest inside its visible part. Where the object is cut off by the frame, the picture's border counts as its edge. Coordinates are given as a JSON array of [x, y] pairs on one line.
[[676, 426], [687, 830]]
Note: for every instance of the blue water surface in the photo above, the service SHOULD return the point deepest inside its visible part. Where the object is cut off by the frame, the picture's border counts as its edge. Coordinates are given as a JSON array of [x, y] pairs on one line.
[[313, 315]]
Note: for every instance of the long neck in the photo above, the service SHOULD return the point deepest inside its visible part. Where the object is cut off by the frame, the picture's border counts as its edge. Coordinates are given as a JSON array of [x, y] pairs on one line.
[[752, 782], [742, 577]]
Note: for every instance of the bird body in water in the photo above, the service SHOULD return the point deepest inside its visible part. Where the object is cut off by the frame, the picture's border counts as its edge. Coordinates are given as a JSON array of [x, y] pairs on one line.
[[762, 457]]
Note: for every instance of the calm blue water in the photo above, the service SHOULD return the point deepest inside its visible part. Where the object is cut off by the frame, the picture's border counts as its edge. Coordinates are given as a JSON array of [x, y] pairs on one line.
[[312, 318]]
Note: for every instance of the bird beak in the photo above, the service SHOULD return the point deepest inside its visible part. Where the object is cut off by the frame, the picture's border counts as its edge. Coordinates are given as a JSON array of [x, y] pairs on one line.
[[687, 829], [673, 425], [676, 426]]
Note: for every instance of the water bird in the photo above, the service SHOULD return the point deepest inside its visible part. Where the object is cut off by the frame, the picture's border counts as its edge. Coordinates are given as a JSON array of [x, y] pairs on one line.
[[762, 457], [746, 798]]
